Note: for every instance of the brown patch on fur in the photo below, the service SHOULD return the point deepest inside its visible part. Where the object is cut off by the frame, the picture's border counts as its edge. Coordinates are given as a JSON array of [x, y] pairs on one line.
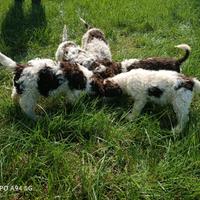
[[69, 44], [94, 65], [111, 89], [184, 58], [185, 82], [96, 34], [112, 68], [97, 85], [156, 64], [74, 75], [105, 62], [17, 74], [47, 81], [155, 92], [106, 89]]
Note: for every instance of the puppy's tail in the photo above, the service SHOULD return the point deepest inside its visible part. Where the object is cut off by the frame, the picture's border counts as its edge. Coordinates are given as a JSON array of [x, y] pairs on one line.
[[64, 36], [7, 62], [87, 26], [196, 86], [187, 50]]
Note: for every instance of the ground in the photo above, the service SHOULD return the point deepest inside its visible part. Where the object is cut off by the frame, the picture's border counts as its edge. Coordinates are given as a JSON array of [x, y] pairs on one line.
[[88, 150]]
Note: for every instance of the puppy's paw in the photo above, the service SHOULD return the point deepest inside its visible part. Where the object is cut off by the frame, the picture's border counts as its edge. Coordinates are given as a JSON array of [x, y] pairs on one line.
[[130, 117], [177, 129]]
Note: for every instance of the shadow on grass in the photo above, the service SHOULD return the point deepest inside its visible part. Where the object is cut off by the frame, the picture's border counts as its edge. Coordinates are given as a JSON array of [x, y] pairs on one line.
[[18, 28]]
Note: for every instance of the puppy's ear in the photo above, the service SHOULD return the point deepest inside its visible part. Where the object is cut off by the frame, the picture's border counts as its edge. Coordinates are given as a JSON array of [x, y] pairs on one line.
[[87, 26], [64, 36], [111, 89]]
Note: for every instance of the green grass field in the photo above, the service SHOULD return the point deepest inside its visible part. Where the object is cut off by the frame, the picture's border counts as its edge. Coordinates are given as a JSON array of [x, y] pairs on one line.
[[88, 150]]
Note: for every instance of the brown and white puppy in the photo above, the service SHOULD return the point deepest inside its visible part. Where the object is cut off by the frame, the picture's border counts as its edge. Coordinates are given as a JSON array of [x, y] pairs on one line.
[[109, 69], [46, 78], [71, 52], [94, 42]]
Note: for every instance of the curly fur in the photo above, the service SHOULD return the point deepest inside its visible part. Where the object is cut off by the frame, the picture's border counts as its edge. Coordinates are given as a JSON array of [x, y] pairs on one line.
[[109, 69], [94, 41], [161, 87], [43, 77], [69, 51]]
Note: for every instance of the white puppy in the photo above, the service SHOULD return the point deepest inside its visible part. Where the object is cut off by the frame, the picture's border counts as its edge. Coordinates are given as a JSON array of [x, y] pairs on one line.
[[162, 87]]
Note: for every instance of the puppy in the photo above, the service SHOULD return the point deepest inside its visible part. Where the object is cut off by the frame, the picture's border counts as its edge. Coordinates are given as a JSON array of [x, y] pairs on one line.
[[71, 52], [109, 69], [94, 42], [45, 78], [63, 48], [161, 87]]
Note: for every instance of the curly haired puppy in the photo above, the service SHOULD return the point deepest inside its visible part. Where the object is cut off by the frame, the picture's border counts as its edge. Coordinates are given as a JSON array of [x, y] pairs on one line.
[[71, 52], [63, 48], [45, 78], [161, 87], [109, 69], [94, 42]]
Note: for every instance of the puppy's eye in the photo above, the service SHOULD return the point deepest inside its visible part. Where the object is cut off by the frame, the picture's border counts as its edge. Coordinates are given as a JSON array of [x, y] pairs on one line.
[[97, 69]]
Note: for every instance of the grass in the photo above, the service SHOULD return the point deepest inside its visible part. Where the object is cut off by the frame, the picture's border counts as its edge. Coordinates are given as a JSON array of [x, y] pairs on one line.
[[88, 150]]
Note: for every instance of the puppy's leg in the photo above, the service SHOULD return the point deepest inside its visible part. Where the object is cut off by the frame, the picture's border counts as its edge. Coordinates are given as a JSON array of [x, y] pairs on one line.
[[28, 103], [15, 97], [136, 110], [181, 107], [71, 97]]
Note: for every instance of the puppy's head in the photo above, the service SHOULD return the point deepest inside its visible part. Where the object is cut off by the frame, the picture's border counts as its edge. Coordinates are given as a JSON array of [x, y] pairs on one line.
[[100, 68], [108, 69], [63, 50], [64, 47], [95, 33], [111, 89]]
